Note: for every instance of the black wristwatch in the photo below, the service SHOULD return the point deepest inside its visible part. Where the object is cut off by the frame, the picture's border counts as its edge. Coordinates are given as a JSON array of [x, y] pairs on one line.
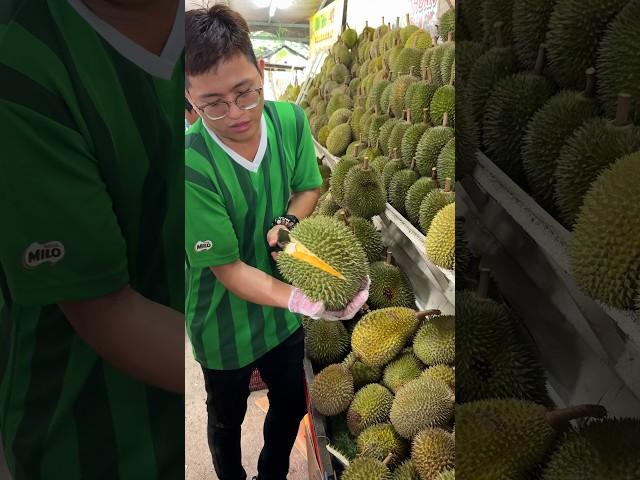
[[288, 221]]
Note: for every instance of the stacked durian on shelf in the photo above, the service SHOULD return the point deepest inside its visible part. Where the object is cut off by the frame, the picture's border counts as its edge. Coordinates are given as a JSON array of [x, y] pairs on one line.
[[550, 91], [383, 103]]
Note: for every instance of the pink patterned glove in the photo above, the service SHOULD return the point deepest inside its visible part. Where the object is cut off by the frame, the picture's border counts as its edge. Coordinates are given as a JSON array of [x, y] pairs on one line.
[[300, 303], [348, 312]]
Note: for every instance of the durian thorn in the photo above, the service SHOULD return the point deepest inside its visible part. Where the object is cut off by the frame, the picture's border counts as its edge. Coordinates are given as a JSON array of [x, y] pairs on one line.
[[499, 34], [427, 313], [447, 184], [388, 459], [450, 36], [622, 110], [445, 119], [389, 259], [590, 89], [434, 174], [558, 419], [540, 60], [483, 283]]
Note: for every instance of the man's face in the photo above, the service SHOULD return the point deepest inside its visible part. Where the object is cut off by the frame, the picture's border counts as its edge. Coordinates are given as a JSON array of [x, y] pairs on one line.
[[226, 82]]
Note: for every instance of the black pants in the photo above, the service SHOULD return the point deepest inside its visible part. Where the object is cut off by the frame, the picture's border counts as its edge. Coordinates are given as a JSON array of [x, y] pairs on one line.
[[227, 393]]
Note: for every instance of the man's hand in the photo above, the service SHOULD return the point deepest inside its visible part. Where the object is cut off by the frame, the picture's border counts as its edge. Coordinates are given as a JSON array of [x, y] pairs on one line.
[[272, 238], [300, 303]]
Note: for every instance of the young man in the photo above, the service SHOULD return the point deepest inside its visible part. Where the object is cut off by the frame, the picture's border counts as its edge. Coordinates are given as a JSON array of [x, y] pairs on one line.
[[250, 170], [91, 250]]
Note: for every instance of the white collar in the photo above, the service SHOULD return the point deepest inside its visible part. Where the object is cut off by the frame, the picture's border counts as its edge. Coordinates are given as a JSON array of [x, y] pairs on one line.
[[239, 159], [159, 66]]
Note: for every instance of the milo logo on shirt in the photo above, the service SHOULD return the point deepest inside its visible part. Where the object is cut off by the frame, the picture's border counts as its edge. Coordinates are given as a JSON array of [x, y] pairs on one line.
[[203, 245], [37, 254]]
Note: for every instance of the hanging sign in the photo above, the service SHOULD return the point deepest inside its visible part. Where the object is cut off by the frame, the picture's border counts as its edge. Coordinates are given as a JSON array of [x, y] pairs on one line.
[[325, 27]]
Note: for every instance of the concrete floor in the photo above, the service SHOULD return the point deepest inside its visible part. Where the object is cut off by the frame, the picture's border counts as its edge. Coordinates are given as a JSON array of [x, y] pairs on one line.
[[198, 463]]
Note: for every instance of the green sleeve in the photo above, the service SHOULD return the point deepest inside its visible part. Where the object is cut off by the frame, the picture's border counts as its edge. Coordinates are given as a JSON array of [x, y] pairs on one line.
[[210, 239], [61, 240], [306, 174]]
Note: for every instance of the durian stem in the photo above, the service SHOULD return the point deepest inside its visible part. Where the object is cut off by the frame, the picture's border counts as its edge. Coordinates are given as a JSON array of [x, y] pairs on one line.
[[408, 116], [483, 283], [413, 164], [389, 257], [389, 108], [411, 70], [388, 459], [427, 313], [434, 174], [382, 20], [397, 22], [425, 115], [405, 115], [590, 89], [450, 36], [558, 419], [408, 17], [445, 119], [365, 164], [499, 34], [395, 153], [540, 60], [622, 112], [447, 184], [452, 76], [429, 75]]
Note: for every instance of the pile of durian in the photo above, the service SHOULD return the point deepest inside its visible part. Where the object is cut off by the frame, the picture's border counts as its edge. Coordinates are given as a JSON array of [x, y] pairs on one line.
[[507, 426], [550, 91], [384, 103]]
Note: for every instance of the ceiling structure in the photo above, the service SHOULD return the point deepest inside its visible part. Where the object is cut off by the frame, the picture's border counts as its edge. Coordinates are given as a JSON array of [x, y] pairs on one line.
[[291, 23]]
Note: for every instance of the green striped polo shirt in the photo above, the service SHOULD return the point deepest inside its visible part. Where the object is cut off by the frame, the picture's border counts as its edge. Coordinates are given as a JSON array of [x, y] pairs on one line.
[[229, 210], [91, 199]]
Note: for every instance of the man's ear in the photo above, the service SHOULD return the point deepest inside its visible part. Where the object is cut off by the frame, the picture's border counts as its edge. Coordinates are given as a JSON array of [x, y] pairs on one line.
[[261, 67]]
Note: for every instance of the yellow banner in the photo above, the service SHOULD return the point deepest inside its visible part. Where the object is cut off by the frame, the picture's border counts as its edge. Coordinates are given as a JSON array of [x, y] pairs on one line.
[[325, 27]]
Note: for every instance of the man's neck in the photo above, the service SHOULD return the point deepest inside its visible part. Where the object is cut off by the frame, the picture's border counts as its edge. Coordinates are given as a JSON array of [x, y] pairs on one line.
[[148, 24], [246, 149]]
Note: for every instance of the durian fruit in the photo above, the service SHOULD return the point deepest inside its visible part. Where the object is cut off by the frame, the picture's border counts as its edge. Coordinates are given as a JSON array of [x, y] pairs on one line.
[[353, 149], [419, 39], [575, 29], [433, 451], [378, 441], [342, 54], [431, 144], [447, 475], [368, 236], [418, 98], [447, 66], [440, 243], [435, 342], [341, 439], [447, 23], [617, 58], [591, 148], [415, 196], [363, 125], [443, 101], [371, 405], [332, 242], [338, 100], [467, 138], [419, 404], [354, 122], [493, 360], [436, 61], [317, 123], [385, 133], [425, 65], [367, 468], [398, 131], [390, 286], [497, 63], [327, 205], [364, 193], [446, 163], [399, 186], [400, 371], [547, 133], [411, 138], [407, 30], [371, 152], [380, 335], [326, 342], [508, 438], [497, 11], [601, 450], [509, 109], [406, 471], [342, 115], [378, 165], [323, 135], [407, 61], [398, 91], [467, 53], [530, 20], [435, 201], [385, 98], [374, 127], [362, 374], [605, 248], [338, 178], [444, 373], [332, 390], [391, 168], [471, 17], [375, 95], [349, 36], [339, 139], [340, 73]]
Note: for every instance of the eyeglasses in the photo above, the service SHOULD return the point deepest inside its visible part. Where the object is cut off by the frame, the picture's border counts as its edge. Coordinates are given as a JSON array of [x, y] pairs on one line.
[[220, 108]]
